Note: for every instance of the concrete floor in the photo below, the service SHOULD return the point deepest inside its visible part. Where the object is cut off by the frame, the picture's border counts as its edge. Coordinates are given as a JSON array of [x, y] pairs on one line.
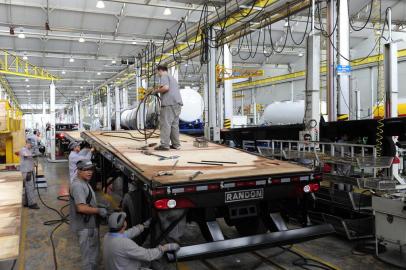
[[36, 251]]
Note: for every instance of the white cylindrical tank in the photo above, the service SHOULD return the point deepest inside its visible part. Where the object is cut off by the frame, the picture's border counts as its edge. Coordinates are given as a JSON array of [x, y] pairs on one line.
[[193, 105], [286, 112]]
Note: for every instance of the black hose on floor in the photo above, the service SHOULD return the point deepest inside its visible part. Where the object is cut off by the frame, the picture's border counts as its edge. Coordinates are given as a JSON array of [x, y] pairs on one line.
[[63, 219]]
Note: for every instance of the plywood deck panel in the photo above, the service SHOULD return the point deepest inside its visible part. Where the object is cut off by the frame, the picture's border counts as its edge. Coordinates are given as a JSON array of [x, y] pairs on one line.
[[125, 146], [73, 135], [11, 188]]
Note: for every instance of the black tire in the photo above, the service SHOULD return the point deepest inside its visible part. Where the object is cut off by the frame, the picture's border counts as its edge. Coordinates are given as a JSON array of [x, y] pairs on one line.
[[250, 226], [133, 206]]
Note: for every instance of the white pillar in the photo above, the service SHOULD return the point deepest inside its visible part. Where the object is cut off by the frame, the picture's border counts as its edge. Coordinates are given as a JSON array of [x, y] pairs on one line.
[[344, 49], [372, 81], [312, 94], [52, 118], [331, 74], [175, 72], [206, 107], [228, 85], [92, 118], [108, 108], [391, 79], [117, 108], [125, 98], [80, 115], [212, 86], [76, 112]]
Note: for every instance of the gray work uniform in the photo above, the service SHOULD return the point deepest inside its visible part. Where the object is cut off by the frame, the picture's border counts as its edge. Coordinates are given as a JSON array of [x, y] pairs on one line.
[[35, 141], [74, 158], [122, 253], [27, 170], [85, 226], [171, 106]]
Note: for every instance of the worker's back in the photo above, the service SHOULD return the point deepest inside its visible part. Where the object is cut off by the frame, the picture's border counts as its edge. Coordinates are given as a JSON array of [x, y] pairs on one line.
[[116, 248]]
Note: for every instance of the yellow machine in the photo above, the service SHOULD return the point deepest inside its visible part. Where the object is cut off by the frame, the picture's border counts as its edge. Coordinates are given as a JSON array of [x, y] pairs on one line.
[[12, 133]]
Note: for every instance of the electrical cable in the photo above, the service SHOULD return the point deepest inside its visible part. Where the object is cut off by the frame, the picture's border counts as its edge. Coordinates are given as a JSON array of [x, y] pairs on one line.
[[63, 219], [367, 21]]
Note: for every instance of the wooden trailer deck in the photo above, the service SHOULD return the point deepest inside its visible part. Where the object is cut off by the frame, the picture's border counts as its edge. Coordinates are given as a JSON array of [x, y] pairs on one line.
[[73, 135], [126, 146]]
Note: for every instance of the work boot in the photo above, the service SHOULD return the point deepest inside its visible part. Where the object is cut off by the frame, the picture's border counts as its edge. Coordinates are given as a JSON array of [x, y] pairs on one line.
[[161, 148], [33, 206], [175, 147]]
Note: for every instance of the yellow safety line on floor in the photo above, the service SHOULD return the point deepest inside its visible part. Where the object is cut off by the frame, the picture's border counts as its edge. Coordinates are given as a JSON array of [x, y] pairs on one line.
[[21, 258], [315, 258], [110, 199]]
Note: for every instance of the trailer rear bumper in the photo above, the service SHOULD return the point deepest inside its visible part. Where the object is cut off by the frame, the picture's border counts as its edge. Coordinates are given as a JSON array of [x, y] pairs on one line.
[[249, 243]]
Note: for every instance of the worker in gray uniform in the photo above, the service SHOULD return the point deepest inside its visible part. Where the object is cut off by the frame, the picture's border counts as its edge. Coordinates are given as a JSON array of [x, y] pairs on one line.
[[171, 106], [76, 155], [84, 214], [121, 253], [27, 170]]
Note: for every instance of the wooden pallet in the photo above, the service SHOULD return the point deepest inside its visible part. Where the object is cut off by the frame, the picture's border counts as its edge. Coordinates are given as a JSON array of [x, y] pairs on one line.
[[125, 145], [11, 188]]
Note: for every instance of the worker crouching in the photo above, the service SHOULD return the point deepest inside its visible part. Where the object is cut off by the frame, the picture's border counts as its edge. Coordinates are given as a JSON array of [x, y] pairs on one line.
[[84, 214], [121, 253]]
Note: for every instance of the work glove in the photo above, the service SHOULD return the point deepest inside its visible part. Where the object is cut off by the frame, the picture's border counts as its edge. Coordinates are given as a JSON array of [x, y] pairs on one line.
[[102, 212], [147, 223], [169, 247]]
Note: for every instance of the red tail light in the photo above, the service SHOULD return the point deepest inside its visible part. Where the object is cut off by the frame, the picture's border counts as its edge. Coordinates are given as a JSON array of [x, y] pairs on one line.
[[164, 204], [313, 187]]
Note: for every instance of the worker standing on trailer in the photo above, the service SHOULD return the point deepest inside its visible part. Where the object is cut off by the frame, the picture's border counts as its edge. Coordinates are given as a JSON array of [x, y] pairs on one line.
[[84, 214], [171, 106], [27, 170], [76, 155], [121, 253]]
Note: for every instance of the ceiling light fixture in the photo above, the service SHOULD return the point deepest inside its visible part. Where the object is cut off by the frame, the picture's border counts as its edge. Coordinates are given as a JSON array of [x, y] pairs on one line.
[[167, 10], [28, 86], [98, 73], [28, 91], [100, 4], [71, 59], [63, 71], [88, 81], [27, 80], [25, 57], [300, 54], [81, 87], [113, 61], [21, 34], [81, 39], [133, 42]]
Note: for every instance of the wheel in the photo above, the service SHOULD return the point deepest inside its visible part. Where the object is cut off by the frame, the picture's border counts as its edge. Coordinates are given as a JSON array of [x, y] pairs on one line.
[[133, 206], [250, 226]]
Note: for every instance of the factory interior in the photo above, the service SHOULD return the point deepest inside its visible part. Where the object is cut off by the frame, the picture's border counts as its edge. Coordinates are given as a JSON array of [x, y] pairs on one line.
[[202, 134]]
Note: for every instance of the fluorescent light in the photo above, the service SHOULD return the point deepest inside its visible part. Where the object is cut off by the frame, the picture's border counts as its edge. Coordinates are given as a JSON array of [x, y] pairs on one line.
[[186, 65], [133, 42], [76, 92], [28, 91], [26, 80], [249, 7], [28, 86], [100, 4], [21, 34], [25, 57], [81, 87], [167, 11], [113, 61], [71, 60], [98, 73], [300, 54], [88, 81], [63, 71]]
